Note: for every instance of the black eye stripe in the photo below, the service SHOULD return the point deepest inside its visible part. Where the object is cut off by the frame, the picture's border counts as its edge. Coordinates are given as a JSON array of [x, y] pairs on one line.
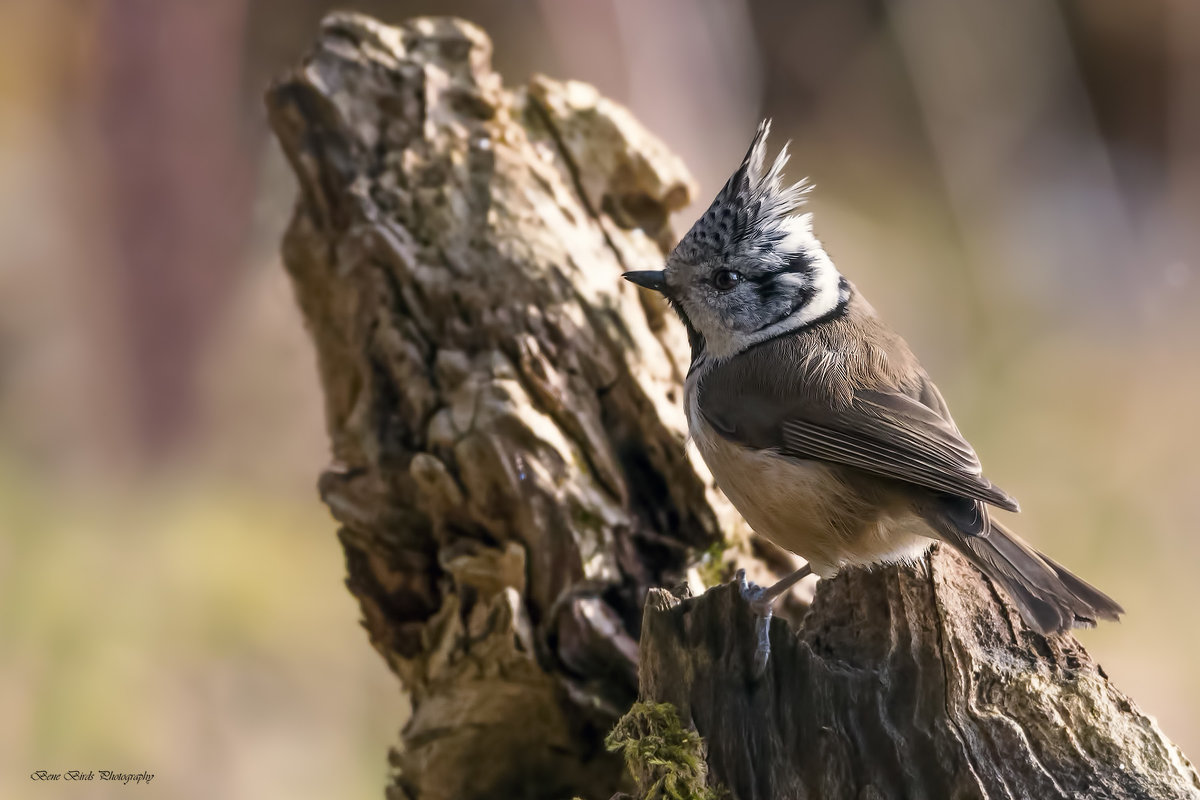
[[795, 298], [795, 295], [770, 281], [798, 263]]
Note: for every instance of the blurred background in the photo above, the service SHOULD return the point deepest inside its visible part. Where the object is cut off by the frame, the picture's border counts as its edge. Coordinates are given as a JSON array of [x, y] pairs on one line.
[[1016, 186]]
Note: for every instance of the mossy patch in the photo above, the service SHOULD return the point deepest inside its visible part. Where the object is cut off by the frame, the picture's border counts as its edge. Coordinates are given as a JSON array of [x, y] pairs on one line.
[[665, 758], [712, 567]]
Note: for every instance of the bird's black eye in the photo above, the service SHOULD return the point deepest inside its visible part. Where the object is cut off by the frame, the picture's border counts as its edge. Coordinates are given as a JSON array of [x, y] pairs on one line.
[[726, 279]]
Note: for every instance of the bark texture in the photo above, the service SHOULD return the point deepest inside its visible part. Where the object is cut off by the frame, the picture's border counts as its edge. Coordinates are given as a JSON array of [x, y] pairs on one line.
[[509, 466], [510, 474], [902, 683]]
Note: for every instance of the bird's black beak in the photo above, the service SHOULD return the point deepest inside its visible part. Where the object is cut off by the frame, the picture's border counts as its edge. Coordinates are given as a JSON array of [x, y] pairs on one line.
[[649, 278]]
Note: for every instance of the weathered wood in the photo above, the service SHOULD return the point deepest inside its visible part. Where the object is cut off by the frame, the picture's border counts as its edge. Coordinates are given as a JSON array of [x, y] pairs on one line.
[[510, 476], [903, 682], [508, 449]]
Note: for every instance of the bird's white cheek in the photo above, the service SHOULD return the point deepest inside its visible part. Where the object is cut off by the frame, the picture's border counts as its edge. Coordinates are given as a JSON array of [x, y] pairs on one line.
[[825, 283]]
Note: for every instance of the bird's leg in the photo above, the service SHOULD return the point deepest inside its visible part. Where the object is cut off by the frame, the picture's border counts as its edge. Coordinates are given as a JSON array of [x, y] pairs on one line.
[[763, 602]]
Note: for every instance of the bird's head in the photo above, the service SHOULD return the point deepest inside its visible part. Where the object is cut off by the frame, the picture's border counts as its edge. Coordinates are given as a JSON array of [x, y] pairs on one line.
[[750, 268]]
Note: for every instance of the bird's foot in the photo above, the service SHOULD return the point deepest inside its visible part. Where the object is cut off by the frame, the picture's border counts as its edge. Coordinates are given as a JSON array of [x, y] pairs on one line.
[[763, 605], [763, 602]]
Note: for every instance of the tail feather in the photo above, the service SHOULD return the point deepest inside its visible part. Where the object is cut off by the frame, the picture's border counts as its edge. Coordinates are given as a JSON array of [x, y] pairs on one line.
[[1049, 597], [1104, 606]]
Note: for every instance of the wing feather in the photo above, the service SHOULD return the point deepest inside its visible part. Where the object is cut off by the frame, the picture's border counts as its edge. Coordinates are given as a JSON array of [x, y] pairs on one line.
[[905, 435]]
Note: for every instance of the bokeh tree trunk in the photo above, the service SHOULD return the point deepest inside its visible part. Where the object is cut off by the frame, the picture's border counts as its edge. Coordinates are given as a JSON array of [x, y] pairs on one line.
[[511, 478], [168, 82]]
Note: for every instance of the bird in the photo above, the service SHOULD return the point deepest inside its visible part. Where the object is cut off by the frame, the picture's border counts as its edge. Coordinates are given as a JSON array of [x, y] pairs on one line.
[[818, 422]]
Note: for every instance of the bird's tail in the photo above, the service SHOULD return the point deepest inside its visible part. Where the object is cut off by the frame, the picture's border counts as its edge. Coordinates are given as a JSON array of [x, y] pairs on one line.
[[1049, 597]]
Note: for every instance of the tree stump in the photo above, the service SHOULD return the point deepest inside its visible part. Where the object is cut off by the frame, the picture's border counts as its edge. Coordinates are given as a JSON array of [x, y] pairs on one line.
[[510, 475], [902, 682]]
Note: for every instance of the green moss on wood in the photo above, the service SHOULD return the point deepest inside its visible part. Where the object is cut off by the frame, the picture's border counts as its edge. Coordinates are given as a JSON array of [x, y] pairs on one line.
[[665, 758]]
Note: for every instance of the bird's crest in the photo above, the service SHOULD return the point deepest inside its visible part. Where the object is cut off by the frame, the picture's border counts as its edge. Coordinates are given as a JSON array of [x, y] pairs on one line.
[[754, 215]]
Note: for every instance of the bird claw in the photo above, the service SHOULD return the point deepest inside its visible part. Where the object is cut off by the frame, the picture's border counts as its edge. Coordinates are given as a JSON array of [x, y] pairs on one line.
[[761, 603]]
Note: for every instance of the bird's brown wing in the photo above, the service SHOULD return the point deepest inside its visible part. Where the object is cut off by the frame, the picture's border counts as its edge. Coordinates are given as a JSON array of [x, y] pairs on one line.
[[906, 435], [896, 436]]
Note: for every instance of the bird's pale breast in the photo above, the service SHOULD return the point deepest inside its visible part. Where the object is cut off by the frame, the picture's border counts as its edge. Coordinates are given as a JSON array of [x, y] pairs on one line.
[[808, 507]]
